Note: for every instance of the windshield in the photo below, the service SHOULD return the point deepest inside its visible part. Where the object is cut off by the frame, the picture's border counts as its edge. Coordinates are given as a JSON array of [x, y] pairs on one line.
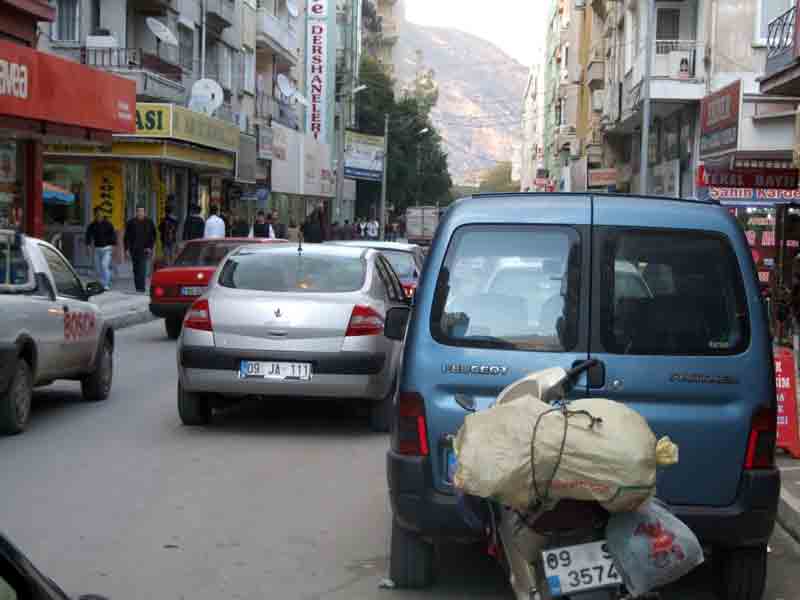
[[403, 264], [205, 254], [295, 272]]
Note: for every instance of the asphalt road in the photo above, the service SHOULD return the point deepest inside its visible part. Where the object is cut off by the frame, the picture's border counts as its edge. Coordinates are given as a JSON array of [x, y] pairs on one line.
[[274, 501]]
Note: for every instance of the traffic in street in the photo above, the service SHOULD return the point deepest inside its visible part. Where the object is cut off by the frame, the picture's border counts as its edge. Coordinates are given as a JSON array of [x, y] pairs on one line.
[[279, 499]]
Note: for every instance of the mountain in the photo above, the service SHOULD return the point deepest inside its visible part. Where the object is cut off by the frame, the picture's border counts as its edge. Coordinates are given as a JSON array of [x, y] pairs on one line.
[[479, 110]]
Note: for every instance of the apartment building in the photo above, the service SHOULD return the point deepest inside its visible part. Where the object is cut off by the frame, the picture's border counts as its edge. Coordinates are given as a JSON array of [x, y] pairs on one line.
[[532, 176], [176, 156], [381, 41]]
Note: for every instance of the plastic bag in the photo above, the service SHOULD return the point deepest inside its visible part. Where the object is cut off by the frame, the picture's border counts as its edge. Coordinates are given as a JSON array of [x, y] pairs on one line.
[[607, 454], [651, 547]]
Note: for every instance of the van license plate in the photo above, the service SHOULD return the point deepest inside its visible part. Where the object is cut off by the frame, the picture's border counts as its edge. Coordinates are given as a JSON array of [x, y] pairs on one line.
[[275, 370], [579, 568]]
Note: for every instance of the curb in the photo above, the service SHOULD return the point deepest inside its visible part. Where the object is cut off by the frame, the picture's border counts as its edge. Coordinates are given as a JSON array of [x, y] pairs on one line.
[[129, 319], [789, 514]]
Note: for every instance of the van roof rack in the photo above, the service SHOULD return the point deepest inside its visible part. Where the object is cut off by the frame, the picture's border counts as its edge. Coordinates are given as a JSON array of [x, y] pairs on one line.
[[693, 200]]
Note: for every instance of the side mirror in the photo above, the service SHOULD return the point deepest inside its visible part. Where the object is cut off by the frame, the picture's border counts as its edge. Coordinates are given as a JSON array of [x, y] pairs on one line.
[[396, 322], [93, 288], [44, 286]]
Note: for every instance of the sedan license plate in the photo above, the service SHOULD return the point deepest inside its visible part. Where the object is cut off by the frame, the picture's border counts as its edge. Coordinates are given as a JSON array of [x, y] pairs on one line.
[[579, 568], [192, 291], [275, 370]]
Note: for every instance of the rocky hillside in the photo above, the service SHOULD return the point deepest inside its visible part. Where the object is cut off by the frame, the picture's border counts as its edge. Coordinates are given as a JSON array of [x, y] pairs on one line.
[[480, 94]]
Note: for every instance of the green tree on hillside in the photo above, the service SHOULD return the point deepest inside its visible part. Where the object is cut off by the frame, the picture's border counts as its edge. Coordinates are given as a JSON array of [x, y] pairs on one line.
[[498, 179]]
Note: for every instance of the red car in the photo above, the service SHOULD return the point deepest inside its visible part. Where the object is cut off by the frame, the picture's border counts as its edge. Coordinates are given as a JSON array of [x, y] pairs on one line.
[[174, 288]]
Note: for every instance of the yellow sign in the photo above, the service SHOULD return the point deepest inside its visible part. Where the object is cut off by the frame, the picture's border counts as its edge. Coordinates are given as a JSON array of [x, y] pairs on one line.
[[184, 154], [153, 120], [197, 128], [199, 157], [108, 193]]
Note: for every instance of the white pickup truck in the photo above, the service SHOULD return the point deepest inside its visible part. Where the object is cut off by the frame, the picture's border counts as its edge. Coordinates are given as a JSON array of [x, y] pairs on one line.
[[49, 329]]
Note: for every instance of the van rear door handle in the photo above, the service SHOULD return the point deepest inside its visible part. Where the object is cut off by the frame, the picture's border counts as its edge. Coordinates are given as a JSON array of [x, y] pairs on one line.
[[596, 376]]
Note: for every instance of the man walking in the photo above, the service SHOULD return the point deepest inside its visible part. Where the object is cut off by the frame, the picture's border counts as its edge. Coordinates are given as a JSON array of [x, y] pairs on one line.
[[194, 227], [215, 226], [373, 229], [140, 238], [102, 237], [280, 228], [168, 229]]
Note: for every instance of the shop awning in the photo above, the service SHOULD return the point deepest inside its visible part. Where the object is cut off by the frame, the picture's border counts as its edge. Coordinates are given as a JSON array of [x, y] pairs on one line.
[[53, 194]]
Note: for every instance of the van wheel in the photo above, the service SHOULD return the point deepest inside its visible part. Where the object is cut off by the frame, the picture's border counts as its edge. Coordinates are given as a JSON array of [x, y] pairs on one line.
[[97, 386], [15, 402], [411, 561], [740, 573], [173, 327], [193, 408]]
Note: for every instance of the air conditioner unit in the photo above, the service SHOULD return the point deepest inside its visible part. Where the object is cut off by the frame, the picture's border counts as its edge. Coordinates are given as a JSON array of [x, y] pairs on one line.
[[598, 100]]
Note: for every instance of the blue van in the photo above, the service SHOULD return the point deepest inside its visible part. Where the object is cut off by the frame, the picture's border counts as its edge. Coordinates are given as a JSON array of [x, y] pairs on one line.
[[662, 292]]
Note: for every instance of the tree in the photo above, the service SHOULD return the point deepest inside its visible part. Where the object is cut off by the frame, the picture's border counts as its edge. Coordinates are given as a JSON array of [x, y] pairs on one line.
[[498, 179]]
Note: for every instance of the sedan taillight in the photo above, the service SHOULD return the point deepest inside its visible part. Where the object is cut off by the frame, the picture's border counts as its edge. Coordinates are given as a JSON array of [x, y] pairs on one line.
[[199, 316], [364, 320]]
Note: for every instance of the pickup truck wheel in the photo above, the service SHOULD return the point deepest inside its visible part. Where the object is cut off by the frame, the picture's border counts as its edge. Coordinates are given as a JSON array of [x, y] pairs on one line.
[[740, 573], [411, 561], [15, 402], [173, 327], [193, 408], [96, 386]]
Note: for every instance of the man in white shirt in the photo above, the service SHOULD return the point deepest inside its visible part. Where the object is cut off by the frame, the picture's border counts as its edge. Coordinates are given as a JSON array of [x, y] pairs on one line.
[[215, 227], [372, 230]]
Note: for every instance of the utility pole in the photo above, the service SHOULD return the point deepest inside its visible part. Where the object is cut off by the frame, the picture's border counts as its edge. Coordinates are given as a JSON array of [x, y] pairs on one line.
[[382, 209], [203, 42], [650, 41], [340, 160]]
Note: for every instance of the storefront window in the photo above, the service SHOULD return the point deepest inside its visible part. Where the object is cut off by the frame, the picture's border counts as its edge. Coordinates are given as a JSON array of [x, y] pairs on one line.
[[64, 192], [11, 186]]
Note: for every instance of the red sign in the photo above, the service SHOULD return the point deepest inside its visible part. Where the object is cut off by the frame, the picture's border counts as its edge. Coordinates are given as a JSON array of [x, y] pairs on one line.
[[35, 85], [765, 179], [786, 388], [719, 120]]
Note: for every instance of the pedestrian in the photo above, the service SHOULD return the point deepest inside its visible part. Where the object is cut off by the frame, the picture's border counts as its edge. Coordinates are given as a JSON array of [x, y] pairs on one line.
[[373, 229], [240, 228], [280, 228], [168, 230], [102, 237], [293, 231], [140, 238], [362, 229], [347, 230], [312, 228], [260, 229], [215, 226], [195, 226]]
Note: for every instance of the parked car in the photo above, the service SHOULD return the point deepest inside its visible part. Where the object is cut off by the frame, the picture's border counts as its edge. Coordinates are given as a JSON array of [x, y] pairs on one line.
[[663, 293], [173, 288], [49, 329], [280, 321], [20, 579], [406, 259]]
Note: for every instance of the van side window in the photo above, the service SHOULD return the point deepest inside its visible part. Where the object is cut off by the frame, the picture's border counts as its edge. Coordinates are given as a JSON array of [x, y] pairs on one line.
[[670, 292], [510, 287]]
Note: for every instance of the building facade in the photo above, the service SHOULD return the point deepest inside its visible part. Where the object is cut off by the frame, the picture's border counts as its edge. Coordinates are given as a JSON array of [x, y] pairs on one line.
[[381, 40], [532, 177]]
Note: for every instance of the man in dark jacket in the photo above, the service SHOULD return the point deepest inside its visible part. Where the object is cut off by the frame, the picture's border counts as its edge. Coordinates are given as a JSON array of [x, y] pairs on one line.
[[140, 238], [168, 230], [280, 228], [102, 237], [195, 226]]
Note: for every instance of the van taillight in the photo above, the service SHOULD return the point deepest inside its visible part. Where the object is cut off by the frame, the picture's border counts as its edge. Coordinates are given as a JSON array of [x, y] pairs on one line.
[[199, 316], [761, 443], [411, 433]]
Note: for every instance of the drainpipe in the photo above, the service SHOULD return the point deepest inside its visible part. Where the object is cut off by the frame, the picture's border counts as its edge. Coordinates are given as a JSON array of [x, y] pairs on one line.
[[650, 41], [203, 41]]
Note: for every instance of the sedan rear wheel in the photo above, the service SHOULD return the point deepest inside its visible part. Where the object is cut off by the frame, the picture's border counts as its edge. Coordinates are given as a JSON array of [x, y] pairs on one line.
[[15, 402], [193, 408]]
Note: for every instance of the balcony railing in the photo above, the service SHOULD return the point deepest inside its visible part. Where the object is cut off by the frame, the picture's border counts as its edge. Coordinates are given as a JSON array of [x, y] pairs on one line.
[[132, 59], [781, 49], [677, 59]]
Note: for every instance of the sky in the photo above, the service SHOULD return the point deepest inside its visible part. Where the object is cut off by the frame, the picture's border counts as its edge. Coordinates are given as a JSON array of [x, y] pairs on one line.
[[516, 26]]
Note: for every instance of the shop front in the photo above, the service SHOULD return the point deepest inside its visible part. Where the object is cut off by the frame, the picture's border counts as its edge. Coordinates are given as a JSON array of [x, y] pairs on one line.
[[88, 107]]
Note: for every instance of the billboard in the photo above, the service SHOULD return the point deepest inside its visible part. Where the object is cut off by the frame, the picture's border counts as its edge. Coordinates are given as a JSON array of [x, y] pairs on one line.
[[363, 156], [719, 120]]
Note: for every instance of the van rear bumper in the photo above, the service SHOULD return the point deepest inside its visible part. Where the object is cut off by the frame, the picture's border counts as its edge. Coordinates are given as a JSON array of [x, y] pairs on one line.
[[749, 521]]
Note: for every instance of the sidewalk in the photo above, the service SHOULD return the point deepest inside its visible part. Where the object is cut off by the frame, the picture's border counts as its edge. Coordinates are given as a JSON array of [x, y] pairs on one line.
[[789, 505], [123, 306]]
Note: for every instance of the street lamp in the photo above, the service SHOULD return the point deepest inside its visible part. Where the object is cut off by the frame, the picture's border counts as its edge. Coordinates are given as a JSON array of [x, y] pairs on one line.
[[340, 153]]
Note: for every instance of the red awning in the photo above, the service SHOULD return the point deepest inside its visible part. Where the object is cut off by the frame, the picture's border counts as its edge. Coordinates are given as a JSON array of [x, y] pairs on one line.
[[40, 86]]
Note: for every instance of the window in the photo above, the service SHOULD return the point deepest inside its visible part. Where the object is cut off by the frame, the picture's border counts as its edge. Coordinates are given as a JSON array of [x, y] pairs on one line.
[[668, 24], [670, 293], [769, 10], [186, 48], [67, 24], [225, 66], [95, 16], [14, 269], [199, 254], [509, 287], [249, 67], [67, 282]]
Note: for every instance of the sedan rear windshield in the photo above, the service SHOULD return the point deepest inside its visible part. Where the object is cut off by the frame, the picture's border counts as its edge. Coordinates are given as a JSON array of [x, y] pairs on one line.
[[204, 255], [295, 272]]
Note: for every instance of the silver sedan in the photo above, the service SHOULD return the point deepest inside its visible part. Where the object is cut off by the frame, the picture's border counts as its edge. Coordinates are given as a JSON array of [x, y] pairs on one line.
[[290, 322]]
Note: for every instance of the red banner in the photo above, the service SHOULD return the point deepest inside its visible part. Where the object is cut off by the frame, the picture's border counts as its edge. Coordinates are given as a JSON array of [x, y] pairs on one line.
[[786, 388], [765, 179], [35, 85]]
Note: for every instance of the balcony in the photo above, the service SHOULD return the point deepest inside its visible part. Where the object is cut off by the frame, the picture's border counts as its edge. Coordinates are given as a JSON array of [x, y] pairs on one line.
[[269, 108], [153, 8], [156, 79], [782, 72], [596, 73], [219, 14], [277, 34]]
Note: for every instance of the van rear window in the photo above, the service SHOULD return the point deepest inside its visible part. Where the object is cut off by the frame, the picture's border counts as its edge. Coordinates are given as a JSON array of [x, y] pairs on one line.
[[509, 287], [670, 292]]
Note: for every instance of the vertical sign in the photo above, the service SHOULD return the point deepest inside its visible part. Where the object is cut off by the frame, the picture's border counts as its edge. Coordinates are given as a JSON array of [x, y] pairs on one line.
[[318, 9], [786, 389], [108, 192], [317, 78]]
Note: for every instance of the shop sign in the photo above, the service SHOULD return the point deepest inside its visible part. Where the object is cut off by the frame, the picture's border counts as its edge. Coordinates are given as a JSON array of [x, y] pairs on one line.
[[108, 192], [602, 177], [786, 396], [317, 78], [265, 141], [773, 179], [719, 120], [363, 157], [757, 195], [246, 159], [41, 86], [156, 120], [318, 9]]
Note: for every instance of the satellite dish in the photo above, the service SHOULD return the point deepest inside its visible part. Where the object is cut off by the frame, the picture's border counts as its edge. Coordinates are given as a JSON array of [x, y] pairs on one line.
[[292, 8], [162, 32], [207, 96], [286, 86]]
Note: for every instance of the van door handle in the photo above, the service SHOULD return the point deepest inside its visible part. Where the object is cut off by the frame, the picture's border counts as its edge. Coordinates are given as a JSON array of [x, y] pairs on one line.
[[595, 376]]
